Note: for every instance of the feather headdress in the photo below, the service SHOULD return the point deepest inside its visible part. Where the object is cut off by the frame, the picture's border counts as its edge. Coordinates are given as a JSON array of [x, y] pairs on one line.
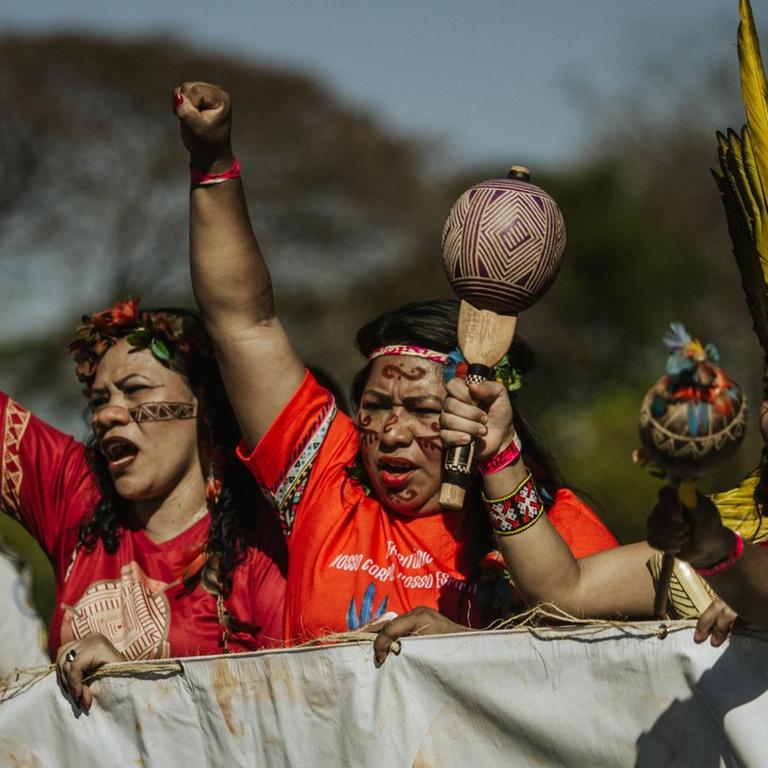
[[743, 177], [743, 182]]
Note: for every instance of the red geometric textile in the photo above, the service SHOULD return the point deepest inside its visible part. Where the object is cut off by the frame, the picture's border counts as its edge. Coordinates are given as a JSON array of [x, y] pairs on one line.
[[133, 596]]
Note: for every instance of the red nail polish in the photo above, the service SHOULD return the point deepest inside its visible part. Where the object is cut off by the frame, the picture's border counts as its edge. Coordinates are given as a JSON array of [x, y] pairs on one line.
[[178, 99]]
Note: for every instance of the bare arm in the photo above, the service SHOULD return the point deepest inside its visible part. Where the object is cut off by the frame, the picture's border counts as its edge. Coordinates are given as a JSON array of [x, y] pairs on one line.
[[611, 583], [260, 368]]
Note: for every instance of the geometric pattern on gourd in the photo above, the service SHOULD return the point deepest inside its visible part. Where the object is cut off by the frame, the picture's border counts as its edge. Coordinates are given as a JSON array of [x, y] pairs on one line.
[[503, 244], [668, 437], [134, 618]]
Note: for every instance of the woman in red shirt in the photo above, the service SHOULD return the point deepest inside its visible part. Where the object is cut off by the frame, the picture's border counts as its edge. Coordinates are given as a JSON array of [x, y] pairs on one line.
[[157, 543]]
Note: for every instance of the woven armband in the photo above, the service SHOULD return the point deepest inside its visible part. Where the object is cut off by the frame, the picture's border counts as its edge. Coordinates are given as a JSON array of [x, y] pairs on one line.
[[517, 511]]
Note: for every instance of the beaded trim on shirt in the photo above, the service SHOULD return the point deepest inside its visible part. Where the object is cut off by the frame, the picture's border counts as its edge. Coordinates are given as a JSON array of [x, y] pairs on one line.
[[289, 490], [11, 471]]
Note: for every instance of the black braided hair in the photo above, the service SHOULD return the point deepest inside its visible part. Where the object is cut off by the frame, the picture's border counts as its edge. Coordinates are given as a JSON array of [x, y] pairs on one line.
[[228, 535]]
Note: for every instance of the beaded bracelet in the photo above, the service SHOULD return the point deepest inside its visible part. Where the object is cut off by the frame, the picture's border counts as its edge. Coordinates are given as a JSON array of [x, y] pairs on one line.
[[502, 459], [517, 511], [200, 178], [736, 552]]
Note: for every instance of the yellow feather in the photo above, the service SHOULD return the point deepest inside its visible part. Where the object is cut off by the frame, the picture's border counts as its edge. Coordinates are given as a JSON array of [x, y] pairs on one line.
[[738, 510], [754, 89], [743, 177]]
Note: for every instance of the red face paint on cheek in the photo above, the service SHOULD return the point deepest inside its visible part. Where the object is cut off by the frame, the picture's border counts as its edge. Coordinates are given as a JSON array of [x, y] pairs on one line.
[[367, 436], [430, 443]]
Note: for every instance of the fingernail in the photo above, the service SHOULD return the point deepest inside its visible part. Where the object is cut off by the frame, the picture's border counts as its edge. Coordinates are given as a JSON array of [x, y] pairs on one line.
[[483, 430], [178, 99]]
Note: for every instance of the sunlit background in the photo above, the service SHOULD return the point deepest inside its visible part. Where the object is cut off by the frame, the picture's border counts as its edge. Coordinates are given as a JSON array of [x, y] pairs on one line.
[[357, 125]]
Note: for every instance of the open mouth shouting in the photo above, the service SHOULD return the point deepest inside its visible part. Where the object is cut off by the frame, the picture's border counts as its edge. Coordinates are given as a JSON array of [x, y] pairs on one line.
[[395, 472], [119, 452]]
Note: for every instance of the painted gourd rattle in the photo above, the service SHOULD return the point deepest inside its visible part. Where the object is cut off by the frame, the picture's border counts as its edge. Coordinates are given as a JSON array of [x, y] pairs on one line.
[[692, 418], [503, 245]]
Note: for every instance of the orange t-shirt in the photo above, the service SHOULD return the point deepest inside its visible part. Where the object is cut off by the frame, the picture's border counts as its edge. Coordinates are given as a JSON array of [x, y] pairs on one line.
[[349, 559]]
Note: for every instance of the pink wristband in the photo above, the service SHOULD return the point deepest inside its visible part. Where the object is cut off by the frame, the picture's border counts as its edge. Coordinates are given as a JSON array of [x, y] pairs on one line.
[[502, 459], [200, 178], [733, 556]]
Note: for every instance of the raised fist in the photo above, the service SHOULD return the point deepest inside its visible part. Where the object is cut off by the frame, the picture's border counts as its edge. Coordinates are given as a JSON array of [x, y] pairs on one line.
[[205, 114]]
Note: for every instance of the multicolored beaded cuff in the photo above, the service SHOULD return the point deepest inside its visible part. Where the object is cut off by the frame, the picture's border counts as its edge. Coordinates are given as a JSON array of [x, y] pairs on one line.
[[502, 459], [733, 556], [517, 511], [200, 178]]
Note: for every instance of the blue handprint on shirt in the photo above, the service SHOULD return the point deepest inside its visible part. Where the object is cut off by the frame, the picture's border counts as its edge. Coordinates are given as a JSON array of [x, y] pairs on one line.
[[366, 609]]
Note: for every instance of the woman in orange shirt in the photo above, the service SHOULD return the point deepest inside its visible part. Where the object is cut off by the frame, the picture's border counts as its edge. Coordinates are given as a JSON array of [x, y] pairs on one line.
[[357, 499]]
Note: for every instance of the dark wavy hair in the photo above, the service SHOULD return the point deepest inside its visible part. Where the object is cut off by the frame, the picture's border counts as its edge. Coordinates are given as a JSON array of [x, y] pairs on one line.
[[432, 324], [228, 535]]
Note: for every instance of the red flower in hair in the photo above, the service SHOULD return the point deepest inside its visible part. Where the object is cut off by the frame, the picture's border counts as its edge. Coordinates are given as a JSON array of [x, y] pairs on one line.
[[124, 312]]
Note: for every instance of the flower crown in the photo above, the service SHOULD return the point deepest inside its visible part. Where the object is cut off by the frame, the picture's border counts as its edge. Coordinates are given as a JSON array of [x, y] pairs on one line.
[[170, 335]]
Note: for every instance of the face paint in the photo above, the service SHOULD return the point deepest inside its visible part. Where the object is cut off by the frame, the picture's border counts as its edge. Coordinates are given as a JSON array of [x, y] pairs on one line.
[[163, 411], [367, 436], [392, 419], [431, 442], [399, 433], [399, 372]]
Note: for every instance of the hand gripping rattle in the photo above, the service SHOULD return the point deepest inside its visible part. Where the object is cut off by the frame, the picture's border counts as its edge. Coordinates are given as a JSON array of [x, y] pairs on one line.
[[503, 245], [690, 419]]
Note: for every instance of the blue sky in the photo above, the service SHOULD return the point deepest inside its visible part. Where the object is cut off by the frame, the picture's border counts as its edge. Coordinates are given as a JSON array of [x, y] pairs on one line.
[[489, 79]]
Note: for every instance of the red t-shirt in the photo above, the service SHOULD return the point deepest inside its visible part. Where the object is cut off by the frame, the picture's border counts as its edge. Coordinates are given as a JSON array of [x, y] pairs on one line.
[[349, 559], [134, 596]]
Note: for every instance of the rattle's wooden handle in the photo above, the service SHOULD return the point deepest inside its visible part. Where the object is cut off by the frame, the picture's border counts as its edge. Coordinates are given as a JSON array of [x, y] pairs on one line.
[[686, 495], [484, 338]]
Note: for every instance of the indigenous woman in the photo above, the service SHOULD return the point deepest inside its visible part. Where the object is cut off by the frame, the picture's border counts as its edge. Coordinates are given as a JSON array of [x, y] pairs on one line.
[[158, 544], [357, 500]]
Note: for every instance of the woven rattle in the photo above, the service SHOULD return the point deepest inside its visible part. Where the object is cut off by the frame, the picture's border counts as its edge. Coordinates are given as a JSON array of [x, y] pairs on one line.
[[503, 245], [692, 418]]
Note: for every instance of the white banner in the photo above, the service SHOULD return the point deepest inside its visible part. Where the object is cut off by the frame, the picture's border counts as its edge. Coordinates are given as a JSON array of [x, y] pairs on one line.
[[592, 696]]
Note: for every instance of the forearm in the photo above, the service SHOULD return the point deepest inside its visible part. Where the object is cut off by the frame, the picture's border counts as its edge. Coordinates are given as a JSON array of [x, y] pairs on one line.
[[540, 563], [611, 583]]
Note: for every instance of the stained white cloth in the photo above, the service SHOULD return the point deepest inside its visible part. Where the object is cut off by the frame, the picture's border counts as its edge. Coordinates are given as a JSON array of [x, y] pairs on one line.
[[603, 697], [22, 633]]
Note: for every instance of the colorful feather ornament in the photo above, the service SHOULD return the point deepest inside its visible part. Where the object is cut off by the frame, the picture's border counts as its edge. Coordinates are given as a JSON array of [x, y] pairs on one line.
[[694, 378]]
